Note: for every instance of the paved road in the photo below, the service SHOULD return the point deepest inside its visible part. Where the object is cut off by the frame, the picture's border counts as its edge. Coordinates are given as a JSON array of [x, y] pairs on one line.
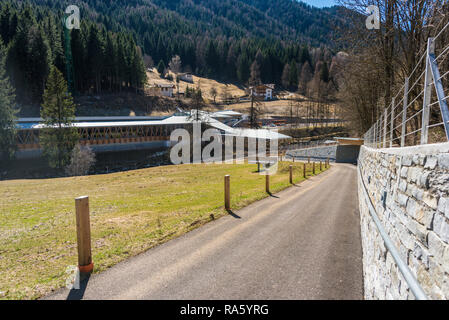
[[303, 243]]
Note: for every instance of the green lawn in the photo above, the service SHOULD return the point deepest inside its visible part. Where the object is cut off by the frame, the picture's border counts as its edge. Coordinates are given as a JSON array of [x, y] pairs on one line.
[[130, 212]]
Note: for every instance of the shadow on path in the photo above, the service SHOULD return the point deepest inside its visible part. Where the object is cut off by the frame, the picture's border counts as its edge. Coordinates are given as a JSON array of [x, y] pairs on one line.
[[233, 214], [78, 294]]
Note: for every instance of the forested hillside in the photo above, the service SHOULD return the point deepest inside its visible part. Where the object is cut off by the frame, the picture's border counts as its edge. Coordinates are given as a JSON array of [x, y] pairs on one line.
[[221, 39]]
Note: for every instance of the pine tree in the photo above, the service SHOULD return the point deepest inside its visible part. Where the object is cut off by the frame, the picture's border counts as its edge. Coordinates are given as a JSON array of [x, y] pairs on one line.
[[286, 76], [39, 57], [161, 67], [58, 112], [305, 77], [7, 111], [95, 57], [293, 74], [79, 59], [324, 74], [5, 18]]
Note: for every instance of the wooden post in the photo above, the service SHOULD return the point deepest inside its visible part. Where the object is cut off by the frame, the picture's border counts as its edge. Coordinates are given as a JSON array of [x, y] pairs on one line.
[[304, 170], [321, 166], [314, 167], [291, 174], [227, 186], [85, 264], [267, 183]]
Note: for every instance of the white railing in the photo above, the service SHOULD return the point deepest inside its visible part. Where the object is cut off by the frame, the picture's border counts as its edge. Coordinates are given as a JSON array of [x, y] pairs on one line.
[[402, 123]]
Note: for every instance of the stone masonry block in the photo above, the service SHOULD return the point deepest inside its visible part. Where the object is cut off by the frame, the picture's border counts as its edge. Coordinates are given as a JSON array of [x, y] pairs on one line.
[[404, 172], [430, 200], [402, 199], [441, 227], [407, 160], [443, 161], [436, 245], [431, 162], [443, 206]]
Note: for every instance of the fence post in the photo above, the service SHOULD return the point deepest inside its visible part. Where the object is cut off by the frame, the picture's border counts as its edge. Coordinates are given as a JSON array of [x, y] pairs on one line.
[[379, 132], [227, 186], [85, 264], [304, 170], [427, 93], [376, 134], [392, 122], [267, 183], [314, 167], [291, 174], [404, 113], [385, 127]]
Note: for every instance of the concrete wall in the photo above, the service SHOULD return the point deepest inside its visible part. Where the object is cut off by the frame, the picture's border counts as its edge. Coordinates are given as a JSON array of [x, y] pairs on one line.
[[340, 153], [409, 189], [316, 153], [347, 154]]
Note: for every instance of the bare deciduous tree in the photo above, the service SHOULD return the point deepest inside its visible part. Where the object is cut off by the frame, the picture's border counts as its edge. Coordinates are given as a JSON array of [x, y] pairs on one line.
[[82, 160], [175, 64]]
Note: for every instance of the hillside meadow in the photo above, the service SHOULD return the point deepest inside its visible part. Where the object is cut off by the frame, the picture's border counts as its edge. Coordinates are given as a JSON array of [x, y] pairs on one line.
[[130, 212]]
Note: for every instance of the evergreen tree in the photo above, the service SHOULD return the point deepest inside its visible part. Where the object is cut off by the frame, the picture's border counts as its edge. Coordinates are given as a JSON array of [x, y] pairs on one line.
[[95, 57], [305, 55], [5, 19], [286, 76], [212, 59], [324, 74], [256, 67], [58, 137], [39, 57], [293, 75], [7, 111], [243, 68], [305, 77], [161, 67], [79, 58]]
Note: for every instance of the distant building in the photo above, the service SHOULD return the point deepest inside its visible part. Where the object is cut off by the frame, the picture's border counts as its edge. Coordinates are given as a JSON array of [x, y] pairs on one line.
[[263, 90], [163, 89], [186, 77]]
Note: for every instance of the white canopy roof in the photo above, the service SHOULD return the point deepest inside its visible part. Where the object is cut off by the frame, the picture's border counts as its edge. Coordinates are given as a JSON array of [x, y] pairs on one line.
[[205, 118]]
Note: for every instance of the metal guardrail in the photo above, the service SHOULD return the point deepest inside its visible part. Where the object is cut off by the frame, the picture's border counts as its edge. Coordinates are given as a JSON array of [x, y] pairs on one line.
[[402, 123], [412, 283]]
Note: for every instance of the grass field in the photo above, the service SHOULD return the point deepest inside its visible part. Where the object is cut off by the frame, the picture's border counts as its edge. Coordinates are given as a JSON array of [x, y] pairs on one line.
[[206, 85], [130, 212]]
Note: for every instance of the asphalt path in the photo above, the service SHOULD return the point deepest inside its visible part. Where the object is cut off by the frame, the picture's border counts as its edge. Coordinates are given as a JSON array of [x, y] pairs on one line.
[[302, 243]]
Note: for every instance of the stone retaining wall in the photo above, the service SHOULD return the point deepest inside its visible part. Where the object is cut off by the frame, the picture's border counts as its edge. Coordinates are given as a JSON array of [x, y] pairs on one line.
[[409, 189]]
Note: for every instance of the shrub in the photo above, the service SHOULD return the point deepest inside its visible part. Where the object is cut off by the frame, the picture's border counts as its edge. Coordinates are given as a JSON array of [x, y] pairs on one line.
[[82, 160]]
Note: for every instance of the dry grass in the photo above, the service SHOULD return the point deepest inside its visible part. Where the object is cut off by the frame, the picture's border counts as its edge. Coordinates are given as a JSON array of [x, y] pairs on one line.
[[205, 84], [275, 107], [130, 213]]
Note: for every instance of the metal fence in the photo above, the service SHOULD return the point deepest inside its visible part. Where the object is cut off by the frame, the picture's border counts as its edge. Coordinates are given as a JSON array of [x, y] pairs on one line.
[[407, 120]]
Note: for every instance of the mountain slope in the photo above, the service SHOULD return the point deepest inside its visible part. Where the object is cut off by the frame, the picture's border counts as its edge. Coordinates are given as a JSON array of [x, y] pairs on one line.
[[240, 41]]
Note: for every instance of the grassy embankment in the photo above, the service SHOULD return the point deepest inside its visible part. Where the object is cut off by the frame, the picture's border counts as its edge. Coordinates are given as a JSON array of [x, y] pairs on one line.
[[130, 213]]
